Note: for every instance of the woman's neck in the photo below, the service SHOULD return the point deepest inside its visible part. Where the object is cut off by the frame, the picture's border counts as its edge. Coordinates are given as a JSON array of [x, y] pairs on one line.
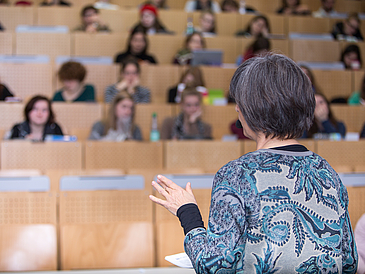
[[265, 143], [70, 95]]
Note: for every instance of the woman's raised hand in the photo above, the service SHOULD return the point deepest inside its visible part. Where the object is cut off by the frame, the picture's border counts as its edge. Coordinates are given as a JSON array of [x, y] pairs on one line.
[[175, 196]]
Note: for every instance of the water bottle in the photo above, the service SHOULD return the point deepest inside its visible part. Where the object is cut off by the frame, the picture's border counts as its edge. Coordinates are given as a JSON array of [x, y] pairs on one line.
[[154, 134], [189, 26]]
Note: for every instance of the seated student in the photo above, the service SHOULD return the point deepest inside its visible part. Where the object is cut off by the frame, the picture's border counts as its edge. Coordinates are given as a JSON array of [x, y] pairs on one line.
[[72, 75], [130, 82], [327, 9], [54, 3], [119, 124], [105, 4], [324, 121], [159, 4], [137, 47], [206, 24], [149, 21], [260, 46], [198, 5], [348, 30], [258, 26], [310, 75], [234, 7], [351, 57], [194, 41], [39, 121], [91, 22], [191, 78], [293, 7], [188, 124], [358, 97], [4, 92]]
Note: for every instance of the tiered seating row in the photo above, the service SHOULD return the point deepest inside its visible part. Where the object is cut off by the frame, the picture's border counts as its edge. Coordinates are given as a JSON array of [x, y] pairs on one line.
[[26, 80], [207, 155], [78, 118], [175, 20], [118, 228]]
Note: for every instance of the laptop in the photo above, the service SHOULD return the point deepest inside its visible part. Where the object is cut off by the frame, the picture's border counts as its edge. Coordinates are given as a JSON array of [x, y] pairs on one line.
[[207, 58]]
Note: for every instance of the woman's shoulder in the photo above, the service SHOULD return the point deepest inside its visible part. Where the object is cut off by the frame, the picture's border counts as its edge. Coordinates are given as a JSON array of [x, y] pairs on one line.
[[58, 96], [120, 57], [89, 87]]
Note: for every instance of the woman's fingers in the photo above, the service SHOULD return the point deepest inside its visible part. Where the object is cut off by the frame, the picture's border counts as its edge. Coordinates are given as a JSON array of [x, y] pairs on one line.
[[157, 200], [159, 189], [189, 189], [165, 182]]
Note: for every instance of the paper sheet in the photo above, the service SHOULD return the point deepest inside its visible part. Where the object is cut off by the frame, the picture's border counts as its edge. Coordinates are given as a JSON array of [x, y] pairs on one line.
[[180, 259]]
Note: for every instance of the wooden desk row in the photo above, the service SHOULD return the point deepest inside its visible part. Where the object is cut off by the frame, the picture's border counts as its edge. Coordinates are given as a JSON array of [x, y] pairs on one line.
[[206, 155], [114, 228]]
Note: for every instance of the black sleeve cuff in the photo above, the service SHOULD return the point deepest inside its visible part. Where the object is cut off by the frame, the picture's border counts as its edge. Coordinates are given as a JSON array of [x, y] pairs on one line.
[[190, 217]]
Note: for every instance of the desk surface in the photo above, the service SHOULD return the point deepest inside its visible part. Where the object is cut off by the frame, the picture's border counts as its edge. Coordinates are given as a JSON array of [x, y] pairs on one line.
[[156, 270]]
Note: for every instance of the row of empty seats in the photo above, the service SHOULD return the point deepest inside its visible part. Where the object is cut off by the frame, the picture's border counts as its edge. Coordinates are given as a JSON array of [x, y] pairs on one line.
[[123, 20], [99, 218], [207, 155], [26, 80], [78, 118]]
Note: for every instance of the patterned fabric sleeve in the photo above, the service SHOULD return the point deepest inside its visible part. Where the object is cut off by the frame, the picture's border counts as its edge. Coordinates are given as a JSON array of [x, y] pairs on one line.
[[220, 247], [349, 252]]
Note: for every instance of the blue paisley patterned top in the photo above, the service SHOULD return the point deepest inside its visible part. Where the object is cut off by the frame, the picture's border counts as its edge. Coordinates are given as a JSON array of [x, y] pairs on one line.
[[275, 211]]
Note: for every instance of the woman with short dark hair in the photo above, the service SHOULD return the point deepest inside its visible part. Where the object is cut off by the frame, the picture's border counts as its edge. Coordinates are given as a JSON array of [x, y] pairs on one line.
[[39, 121], [279, 209], [72, 75]]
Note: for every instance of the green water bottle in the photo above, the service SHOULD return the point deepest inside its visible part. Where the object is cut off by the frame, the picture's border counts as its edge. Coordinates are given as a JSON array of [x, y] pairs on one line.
[[154, 134]]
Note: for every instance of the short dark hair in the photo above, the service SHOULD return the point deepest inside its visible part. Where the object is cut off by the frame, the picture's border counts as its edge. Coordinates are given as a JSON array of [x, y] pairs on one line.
[[30, 105], [72, 71], [88, 7], [351, 48], [128, 61], [274, 95]]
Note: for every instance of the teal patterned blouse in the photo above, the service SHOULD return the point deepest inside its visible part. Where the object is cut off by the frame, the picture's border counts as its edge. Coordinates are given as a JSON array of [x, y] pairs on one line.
[[275, 211]]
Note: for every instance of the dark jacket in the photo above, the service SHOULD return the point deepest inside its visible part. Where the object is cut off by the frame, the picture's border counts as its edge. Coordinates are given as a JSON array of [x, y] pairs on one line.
[[20, 131], [140, 57], [338, 29]]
